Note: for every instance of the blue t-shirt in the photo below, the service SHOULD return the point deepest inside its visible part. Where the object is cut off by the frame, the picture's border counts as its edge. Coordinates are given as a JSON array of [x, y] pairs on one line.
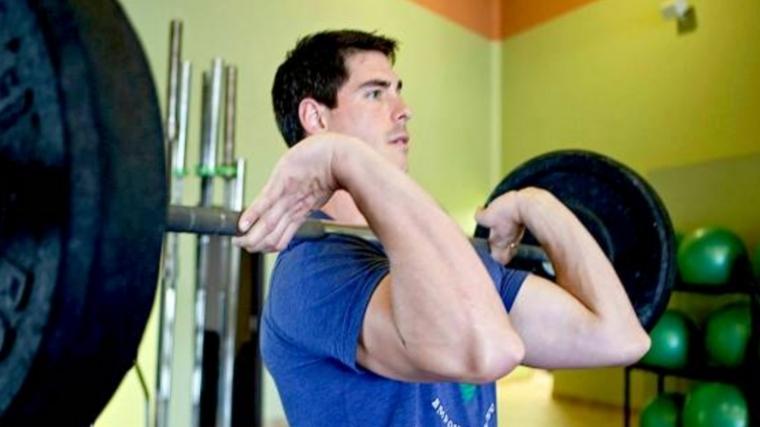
[[311, 322]]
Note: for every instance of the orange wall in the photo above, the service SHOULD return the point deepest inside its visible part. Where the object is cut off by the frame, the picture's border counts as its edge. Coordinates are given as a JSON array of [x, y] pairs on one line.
[[498, 19], [520, 15], [480, 16]]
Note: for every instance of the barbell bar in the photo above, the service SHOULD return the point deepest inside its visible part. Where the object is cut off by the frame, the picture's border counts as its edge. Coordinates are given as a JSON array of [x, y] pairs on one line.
[[220, 221]]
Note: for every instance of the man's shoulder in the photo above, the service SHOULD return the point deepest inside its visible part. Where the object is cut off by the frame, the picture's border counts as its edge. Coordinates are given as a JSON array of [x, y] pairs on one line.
[[319, 267], [328, 250]]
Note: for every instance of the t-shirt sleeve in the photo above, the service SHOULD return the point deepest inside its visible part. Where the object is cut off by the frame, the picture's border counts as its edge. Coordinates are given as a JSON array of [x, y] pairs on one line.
[[322, 291], [507, 281]]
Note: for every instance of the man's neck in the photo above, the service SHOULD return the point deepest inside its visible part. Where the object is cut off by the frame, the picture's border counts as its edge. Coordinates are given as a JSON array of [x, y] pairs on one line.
[[341, 208]]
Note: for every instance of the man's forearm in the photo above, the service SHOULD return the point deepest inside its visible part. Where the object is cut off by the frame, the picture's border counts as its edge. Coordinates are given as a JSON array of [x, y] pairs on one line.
[[580, 265]]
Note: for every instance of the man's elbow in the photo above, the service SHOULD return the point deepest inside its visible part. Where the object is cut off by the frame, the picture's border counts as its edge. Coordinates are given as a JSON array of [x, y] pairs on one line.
[[496, 361], [632, 348], [639, 347]]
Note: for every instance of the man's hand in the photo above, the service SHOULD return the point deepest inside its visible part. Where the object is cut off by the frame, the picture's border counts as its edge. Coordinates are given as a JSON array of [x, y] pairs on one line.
[[302, 180], [504, 218]]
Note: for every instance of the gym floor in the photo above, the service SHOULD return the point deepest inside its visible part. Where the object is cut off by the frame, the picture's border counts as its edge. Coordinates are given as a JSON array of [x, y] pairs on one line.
[[526, 400]]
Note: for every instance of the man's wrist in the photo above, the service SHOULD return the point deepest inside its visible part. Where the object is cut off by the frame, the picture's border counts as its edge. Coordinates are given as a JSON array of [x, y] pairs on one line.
[[532, 198], [350, 156], [532, 207], [526, 200]]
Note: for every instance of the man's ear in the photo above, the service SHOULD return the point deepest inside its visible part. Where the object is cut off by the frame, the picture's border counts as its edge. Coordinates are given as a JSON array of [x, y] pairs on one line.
[[313, 116]]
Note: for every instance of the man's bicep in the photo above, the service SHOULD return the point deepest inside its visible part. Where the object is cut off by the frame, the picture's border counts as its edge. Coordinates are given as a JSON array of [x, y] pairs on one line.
[[558, 330]]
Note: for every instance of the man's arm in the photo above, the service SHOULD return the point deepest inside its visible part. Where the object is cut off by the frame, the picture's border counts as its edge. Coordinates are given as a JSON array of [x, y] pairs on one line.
[[437, 315], [588, 319]]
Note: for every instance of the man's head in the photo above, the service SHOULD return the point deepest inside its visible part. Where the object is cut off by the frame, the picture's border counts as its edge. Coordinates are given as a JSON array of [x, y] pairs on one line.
[[342, 81]]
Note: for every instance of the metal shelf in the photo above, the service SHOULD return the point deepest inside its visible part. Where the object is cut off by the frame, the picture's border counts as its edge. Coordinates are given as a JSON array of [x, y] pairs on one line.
[[746, 376]]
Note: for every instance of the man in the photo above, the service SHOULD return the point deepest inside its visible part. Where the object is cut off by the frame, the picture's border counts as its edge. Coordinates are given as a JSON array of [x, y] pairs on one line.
[[415, 330]]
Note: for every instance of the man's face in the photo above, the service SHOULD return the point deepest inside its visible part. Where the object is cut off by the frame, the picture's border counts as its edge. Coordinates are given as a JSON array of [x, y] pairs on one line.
[[370, 107]]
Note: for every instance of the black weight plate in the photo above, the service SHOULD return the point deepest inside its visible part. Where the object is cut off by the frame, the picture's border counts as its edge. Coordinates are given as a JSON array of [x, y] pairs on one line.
[[621, 211], [82, 206]]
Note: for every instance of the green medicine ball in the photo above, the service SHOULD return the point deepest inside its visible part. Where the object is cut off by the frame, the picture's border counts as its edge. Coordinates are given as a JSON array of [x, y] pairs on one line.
[[671, 341], [707, 255], [727, 333], [663, 411], [715, 405]]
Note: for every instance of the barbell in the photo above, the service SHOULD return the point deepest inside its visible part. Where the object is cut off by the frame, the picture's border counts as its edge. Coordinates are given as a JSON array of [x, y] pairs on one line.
[[615, 204], [83, 209]]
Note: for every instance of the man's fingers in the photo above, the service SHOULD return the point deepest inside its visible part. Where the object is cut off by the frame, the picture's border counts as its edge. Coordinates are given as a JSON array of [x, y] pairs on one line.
[[503, 241], [259, 236], [248, 217], [252, 214], [254, 239], [483, 217], [272, 240], [269, 196], [274, 226], [504, 254], [290, 231], [522, 233], [503, 257]]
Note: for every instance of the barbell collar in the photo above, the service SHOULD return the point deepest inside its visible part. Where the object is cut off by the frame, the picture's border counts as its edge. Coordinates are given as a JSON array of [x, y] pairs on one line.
[[219, 221]]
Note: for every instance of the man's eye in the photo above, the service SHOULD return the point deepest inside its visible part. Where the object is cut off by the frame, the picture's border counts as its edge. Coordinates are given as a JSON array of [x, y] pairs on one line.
[[374, 94]]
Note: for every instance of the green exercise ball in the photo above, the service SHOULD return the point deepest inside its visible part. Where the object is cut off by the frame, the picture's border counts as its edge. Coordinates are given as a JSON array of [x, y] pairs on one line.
[[727, 333], [663, 411], [715, 405], [707, 255], [671, 341]]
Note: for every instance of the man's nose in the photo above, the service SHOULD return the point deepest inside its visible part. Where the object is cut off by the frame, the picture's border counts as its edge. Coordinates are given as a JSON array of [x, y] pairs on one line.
[[402, 111]]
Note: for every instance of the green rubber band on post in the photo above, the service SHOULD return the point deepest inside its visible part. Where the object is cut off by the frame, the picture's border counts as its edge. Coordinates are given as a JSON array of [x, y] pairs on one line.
[[226, 171], [179, 172], [205, 171]]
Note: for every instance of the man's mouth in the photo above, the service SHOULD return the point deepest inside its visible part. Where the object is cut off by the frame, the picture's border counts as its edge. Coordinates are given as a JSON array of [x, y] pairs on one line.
[[401, 140]]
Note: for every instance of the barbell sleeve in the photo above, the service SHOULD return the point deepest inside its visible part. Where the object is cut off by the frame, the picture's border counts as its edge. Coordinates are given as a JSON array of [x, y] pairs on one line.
[[190, 219]]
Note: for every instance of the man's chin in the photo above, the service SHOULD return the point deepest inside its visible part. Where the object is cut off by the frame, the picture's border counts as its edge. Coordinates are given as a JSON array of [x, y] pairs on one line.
[[397, 157], [403, 164]]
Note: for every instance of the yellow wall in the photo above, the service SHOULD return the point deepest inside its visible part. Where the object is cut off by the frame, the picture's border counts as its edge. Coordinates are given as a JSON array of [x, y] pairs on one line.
[[614, 77], [722, 192], [447, 73]]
